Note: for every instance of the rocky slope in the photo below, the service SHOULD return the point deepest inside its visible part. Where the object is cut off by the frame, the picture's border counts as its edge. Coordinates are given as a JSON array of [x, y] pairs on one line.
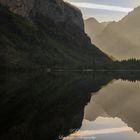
[[56, 10], [48, 33]]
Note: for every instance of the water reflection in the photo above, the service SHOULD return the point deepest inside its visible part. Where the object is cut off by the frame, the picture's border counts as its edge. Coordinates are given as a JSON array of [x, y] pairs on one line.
[[46, 106], [49, 106], [119, 99], [105, 129], [113, 113]]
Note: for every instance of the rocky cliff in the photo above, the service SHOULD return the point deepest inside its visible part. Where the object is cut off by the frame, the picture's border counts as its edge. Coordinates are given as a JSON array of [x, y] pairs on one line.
[[56, 10], [46, 33]]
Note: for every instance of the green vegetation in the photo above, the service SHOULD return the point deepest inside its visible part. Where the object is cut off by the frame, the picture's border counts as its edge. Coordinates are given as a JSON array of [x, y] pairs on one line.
[[126, 65]]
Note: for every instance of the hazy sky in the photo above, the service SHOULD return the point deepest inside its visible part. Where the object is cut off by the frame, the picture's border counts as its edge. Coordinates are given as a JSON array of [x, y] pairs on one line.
[[105, 10]]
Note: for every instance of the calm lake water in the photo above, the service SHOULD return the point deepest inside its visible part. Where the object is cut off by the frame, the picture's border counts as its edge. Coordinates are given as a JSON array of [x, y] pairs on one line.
[[113, 113], [70, 106]]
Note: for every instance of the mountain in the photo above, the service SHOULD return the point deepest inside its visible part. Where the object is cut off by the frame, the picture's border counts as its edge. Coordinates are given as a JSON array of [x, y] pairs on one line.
[[105, 23], [121, 39], [45, 33], [93, 27]]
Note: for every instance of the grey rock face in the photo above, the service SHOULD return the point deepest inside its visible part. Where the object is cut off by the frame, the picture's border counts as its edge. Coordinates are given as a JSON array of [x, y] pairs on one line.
[[57, 10], [20, 7]]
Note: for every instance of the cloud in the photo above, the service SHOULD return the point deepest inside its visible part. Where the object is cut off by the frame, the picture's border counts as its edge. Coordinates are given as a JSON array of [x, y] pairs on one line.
[[102, 7]]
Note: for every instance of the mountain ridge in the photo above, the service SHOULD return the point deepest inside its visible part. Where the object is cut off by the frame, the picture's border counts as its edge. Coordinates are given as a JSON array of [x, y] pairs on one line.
[[121, 39]]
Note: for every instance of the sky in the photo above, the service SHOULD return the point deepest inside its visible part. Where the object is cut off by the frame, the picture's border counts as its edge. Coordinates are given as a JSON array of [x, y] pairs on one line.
[[105, 10]]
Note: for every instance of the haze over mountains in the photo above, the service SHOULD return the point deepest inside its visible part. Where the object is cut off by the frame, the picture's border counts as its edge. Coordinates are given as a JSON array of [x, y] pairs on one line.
[[93, 27], [118, 39]]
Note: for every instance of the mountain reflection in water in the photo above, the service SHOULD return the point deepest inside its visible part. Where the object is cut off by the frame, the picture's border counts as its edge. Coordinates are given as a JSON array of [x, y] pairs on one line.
[[113, 113], [50, 106]]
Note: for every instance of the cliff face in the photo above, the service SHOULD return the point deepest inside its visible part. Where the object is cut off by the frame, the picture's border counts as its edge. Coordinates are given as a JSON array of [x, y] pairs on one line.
[[56, 10], [46, 33], [20, 7]]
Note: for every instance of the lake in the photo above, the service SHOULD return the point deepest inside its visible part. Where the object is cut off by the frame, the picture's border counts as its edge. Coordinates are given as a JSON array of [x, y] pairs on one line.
[[113, 113], [70, 106]]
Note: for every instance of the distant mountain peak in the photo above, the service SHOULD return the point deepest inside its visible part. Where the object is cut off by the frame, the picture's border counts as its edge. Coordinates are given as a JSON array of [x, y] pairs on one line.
[[92, 19], [93, 27], [119, 39]]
